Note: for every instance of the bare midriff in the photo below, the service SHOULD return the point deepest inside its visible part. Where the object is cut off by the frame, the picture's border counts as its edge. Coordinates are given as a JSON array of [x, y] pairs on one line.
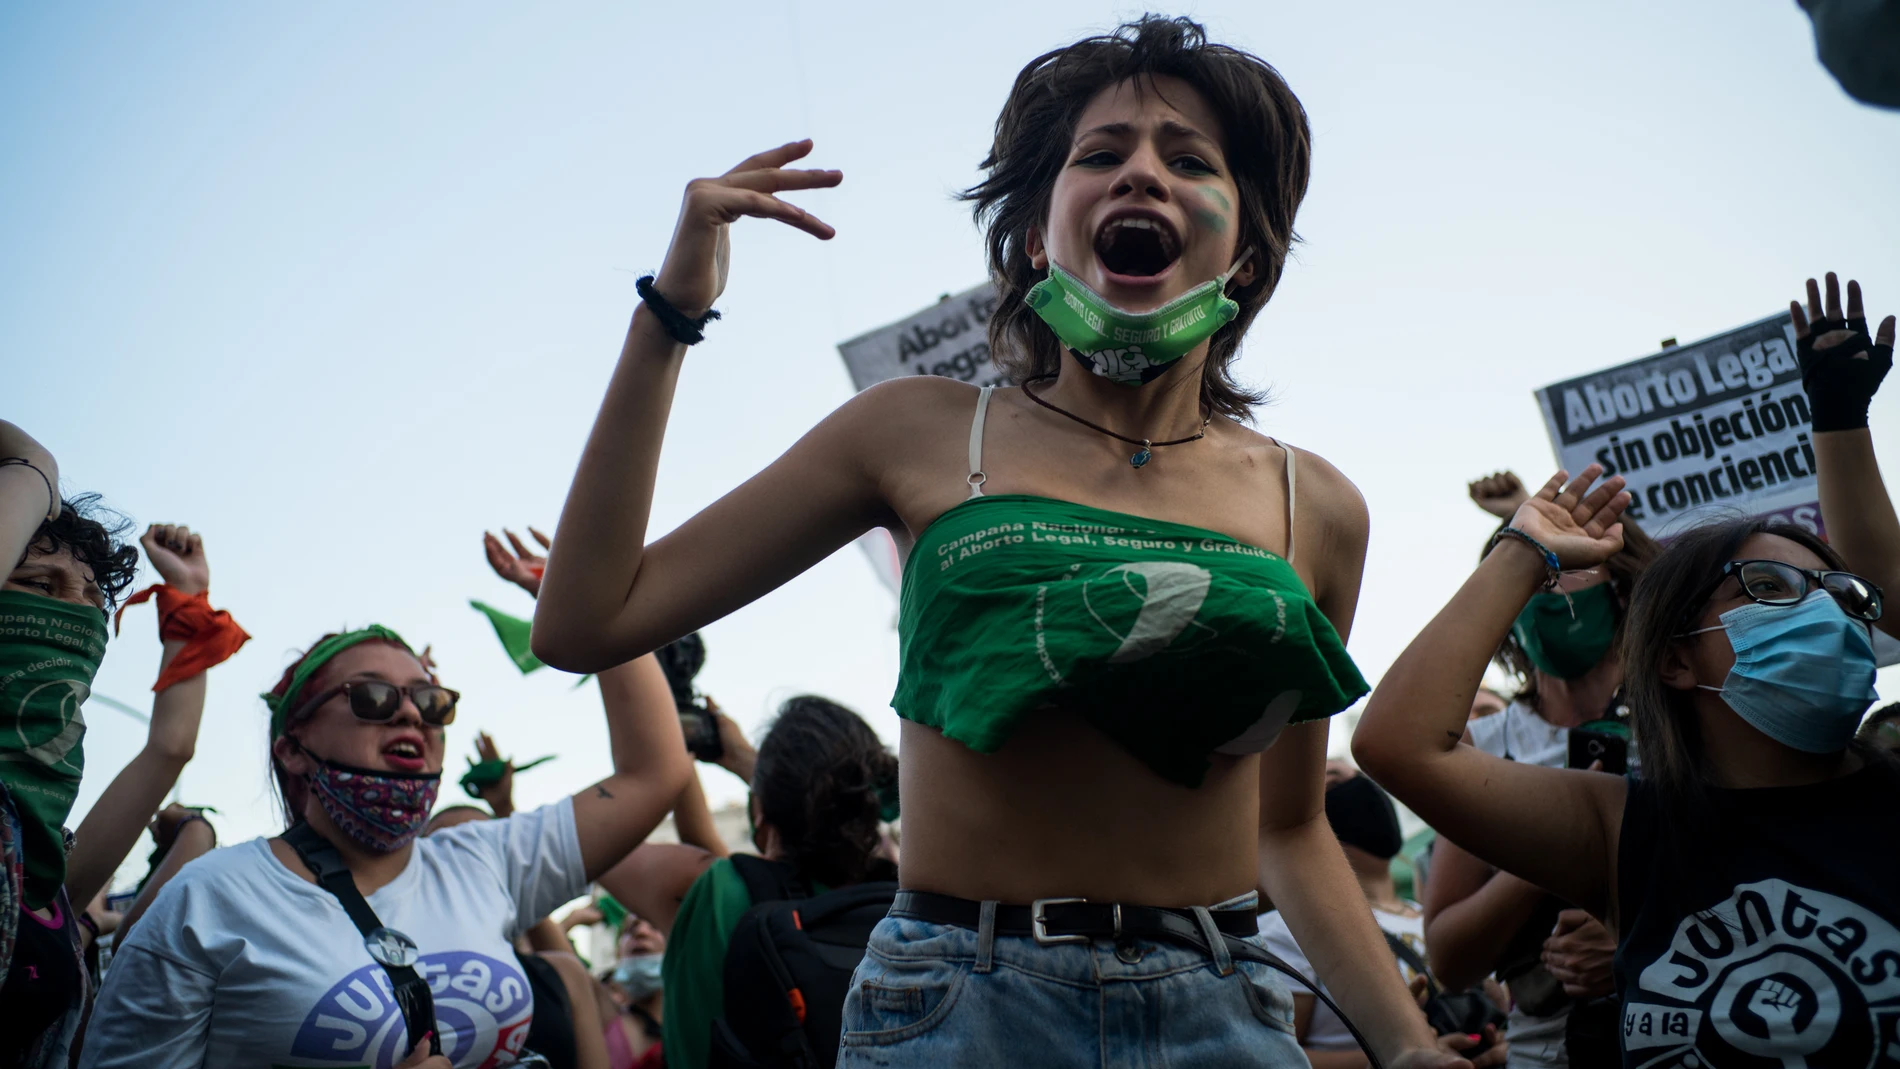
[[1060, 811]]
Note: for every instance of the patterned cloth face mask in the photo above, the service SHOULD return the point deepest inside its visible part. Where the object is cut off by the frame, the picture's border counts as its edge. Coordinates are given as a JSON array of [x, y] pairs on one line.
[[380, 811]]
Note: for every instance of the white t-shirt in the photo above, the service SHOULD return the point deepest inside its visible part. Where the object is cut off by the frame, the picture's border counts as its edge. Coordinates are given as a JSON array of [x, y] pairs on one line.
[[1522, 735], [240, 962], [1325, 1031]]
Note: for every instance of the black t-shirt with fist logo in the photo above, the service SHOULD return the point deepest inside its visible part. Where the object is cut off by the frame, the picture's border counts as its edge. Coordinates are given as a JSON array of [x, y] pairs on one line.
[[1767, 933]]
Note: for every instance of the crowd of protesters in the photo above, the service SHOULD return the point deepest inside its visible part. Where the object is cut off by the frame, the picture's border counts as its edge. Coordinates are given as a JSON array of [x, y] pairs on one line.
[[1664, 842]]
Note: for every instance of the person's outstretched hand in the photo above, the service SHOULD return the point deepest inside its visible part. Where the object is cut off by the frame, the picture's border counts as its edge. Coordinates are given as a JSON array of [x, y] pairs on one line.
[[1499, 493], [1575, 522], [179, 557], [500, 795], [524, 567], [1841, 367], [694, 273]]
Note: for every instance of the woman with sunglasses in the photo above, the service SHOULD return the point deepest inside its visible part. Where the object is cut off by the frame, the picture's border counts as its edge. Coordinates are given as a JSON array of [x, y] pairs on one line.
[[245, 960], [1751, 875]]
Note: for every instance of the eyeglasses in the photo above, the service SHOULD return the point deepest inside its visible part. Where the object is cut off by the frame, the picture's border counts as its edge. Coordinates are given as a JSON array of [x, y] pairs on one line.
[[375, 700], [1773, 582]]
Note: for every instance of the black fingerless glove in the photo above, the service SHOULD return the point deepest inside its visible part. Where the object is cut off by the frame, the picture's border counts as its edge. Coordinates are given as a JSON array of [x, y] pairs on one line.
[[1839, 381]]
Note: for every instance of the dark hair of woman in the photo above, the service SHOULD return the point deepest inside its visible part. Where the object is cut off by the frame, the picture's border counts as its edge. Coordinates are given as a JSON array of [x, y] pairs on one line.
[[819, 779], [1667, 601], [1625, 567], [288, 789], [95, 535], [1268, 149]]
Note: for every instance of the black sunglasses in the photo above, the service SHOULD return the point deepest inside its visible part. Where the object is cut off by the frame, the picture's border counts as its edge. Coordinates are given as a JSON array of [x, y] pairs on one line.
[[1773, 582], [375, 700]]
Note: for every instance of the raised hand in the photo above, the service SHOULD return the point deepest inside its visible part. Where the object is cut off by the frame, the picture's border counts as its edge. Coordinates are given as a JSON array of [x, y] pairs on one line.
[[524, 567], [500, 795], [694, 273], [1575, 522], [1499, 493], [1841, 367], [179, 557]]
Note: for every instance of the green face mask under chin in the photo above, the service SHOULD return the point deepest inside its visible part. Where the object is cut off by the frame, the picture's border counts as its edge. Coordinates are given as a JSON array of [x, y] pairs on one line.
[[1131, 347], [1565, 635], [49, 652]]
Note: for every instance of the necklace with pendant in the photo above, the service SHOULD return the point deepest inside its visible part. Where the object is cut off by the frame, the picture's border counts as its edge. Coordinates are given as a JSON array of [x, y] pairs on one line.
[[1144, 454]]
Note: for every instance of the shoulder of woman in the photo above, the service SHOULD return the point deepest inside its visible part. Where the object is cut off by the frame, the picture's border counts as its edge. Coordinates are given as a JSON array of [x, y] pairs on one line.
[[1325, 490]]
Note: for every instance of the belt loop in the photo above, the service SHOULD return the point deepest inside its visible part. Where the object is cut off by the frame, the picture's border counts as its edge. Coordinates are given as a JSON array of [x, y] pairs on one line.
[[986, 937], [1216, 942]]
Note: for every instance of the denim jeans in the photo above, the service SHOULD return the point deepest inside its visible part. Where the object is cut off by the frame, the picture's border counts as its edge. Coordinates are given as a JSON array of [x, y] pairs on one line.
[[938, 996]]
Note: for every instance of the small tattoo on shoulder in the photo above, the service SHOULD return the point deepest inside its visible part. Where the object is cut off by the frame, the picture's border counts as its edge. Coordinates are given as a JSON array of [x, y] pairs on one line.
[[602, 792]]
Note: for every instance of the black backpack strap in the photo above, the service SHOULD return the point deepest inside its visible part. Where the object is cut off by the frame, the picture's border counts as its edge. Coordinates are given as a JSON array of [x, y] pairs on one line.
[[411, 990], [768, 881], [1410, 957]]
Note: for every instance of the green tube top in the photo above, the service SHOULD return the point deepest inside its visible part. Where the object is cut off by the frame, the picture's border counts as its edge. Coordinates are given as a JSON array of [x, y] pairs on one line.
[[1175, 641]]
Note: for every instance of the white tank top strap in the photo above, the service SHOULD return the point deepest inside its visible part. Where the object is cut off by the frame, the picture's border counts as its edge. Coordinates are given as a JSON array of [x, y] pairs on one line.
[[1291, 498], [976, 477]]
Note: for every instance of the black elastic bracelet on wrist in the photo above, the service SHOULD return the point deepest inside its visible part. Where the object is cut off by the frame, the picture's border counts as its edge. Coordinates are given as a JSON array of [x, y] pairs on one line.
[[195, 818], [1551, 563], [681, 327], [53, 508]]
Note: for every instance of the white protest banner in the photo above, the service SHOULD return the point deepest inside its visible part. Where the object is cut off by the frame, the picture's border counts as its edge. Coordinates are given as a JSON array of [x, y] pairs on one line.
[[950, 338], [1720, 427]]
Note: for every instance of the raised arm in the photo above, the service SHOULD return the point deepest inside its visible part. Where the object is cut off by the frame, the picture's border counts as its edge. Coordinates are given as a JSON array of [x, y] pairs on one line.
[[1554, 827], [29, 491], [115, 822], [609, 595], [1841, 368], [651, 765], [1301, 866]]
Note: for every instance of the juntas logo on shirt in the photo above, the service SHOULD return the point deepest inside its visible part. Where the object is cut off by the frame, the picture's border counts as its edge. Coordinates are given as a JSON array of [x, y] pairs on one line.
[[482, 1010], [1776, 975]]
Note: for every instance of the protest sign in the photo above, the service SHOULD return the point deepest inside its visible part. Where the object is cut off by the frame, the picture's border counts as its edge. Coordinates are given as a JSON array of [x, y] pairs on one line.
[[1717, 428], [950, 338]]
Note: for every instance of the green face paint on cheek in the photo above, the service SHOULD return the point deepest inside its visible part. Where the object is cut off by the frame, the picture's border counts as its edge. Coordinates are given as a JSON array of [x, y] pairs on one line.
[[1209, 217]]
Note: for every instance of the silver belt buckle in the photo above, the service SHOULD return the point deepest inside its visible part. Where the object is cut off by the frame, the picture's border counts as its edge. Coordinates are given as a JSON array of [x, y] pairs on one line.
[[1039, 921]]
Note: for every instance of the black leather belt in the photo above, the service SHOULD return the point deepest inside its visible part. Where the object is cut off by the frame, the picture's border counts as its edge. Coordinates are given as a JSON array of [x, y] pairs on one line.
[[1074, 920], [1051, 921]]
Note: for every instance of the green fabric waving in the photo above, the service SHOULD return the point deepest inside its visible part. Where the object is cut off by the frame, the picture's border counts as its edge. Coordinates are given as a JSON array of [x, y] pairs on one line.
[[513, 632], [1175, 641], [49, 652]]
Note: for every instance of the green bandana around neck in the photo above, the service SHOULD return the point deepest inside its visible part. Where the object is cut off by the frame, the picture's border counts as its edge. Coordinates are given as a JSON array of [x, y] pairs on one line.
[[1131, 347], [1565, 635], [321, 654], [49, 652]]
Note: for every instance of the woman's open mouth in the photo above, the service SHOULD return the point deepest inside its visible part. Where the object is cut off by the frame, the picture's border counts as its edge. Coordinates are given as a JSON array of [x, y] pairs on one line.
[[1137, 248], [404, 755]]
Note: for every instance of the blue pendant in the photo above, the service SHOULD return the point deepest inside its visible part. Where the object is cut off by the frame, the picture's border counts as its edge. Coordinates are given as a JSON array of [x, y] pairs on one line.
[[1140, 459]]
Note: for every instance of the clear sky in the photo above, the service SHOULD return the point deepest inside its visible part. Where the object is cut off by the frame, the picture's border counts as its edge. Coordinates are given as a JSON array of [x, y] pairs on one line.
[[340, 285]]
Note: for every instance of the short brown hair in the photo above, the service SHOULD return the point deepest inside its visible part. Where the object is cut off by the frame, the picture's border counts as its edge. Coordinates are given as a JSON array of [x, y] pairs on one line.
[[1268, 147]]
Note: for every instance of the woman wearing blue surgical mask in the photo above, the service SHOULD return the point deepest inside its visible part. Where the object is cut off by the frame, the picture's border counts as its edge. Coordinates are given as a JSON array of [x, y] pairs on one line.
[[1756, 905], [1562, 648]]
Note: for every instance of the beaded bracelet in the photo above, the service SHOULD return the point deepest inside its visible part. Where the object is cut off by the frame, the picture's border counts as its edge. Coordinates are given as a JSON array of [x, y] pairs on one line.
[[678, 325], [1551, 563]]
